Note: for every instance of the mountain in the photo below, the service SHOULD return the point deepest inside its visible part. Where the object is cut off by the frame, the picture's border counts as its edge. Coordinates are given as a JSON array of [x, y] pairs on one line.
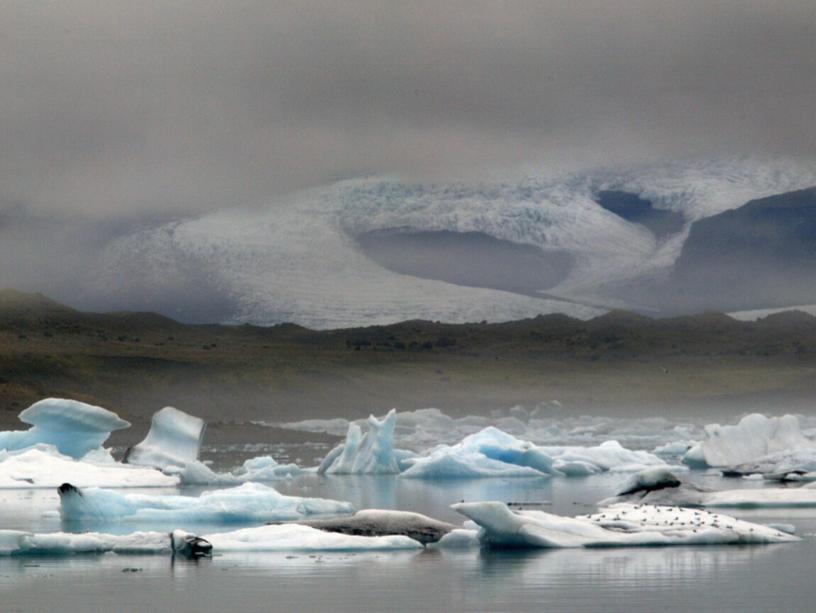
[[136, 363], [762, 254]]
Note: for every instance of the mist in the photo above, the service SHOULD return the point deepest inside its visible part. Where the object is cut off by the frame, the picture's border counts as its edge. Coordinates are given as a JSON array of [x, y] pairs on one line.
[[122, 116]]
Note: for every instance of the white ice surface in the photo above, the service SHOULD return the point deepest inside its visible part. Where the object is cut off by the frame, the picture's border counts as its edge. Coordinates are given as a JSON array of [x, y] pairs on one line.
[[250, 502], [43, 466], [73, 427], [754, 437], [16, 542], [172, 443], [622, 525]]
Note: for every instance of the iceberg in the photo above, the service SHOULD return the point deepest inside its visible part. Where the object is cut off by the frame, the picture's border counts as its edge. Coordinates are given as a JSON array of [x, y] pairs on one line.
[[494, 453], [173, 441], [299, 538], [16, 542], [172, 445], [250, 502], [621, 525], [274, 538], [266, 468], [754, 437], [661, 486], [42, 466], [74, 428], [367, 453]]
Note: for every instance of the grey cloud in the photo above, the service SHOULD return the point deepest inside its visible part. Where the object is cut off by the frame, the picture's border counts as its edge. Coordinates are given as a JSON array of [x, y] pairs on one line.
[[123, 110]]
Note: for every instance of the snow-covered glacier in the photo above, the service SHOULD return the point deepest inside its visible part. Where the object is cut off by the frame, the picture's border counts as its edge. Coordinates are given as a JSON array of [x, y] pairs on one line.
[[299, 259]]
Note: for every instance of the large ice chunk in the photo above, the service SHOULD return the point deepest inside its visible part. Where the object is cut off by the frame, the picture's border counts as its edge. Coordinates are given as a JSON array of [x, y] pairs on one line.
[[622, 525], [494, 453], [18, 543], [299, 538], [754, 437], [369, 453], [173, 441], [73, 427], [250, 502], [43, 466], [661, 486]]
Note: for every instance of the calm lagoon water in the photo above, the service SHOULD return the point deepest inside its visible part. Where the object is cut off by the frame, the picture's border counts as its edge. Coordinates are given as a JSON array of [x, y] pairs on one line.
[[748, 578]]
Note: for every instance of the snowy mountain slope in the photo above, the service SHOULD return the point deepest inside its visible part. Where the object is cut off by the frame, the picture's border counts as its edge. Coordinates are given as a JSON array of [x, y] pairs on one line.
[[298, 259]]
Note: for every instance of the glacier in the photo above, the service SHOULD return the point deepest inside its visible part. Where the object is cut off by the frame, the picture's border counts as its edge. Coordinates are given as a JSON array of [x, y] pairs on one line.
[[261, 261], [73, 427], [247, 503], [620, 525]]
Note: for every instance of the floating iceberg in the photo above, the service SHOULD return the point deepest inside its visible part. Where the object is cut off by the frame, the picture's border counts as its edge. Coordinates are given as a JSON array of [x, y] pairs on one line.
[[369, 453], [275, 538], [42, 466], [493, 453], [753, 438], [16, 542], [73, 427], [250, 502], [299, 538], [451, 463], [661, 486], [266, 468], [622, 525]]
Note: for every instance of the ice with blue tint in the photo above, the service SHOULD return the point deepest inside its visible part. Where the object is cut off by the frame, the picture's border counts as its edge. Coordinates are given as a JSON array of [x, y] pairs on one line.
[[73, 427], [493, 453], [621, 525], [299, 538], [250, 502], [266, 468], [367, 453], [20, 543], [173, 441], [42, 466]]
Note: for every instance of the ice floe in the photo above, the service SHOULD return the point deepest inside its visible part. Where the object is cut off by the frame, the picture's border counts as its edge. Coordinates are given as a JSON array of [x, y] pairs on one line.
[[247, 503], [661, 486], [366, 453], [16, 542], [73, 427], [621, 525], [42, 466]]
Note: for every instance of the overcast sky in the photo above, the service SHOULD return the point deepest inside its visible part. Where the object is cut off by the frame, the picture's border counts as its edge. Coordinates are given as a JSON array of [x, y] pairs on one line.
[[142, 109]]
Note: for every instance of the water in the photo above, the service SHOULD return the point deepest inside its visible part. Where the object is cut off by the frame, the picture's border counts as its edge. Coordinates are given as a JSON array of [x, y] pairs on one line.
[[725, 578]]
